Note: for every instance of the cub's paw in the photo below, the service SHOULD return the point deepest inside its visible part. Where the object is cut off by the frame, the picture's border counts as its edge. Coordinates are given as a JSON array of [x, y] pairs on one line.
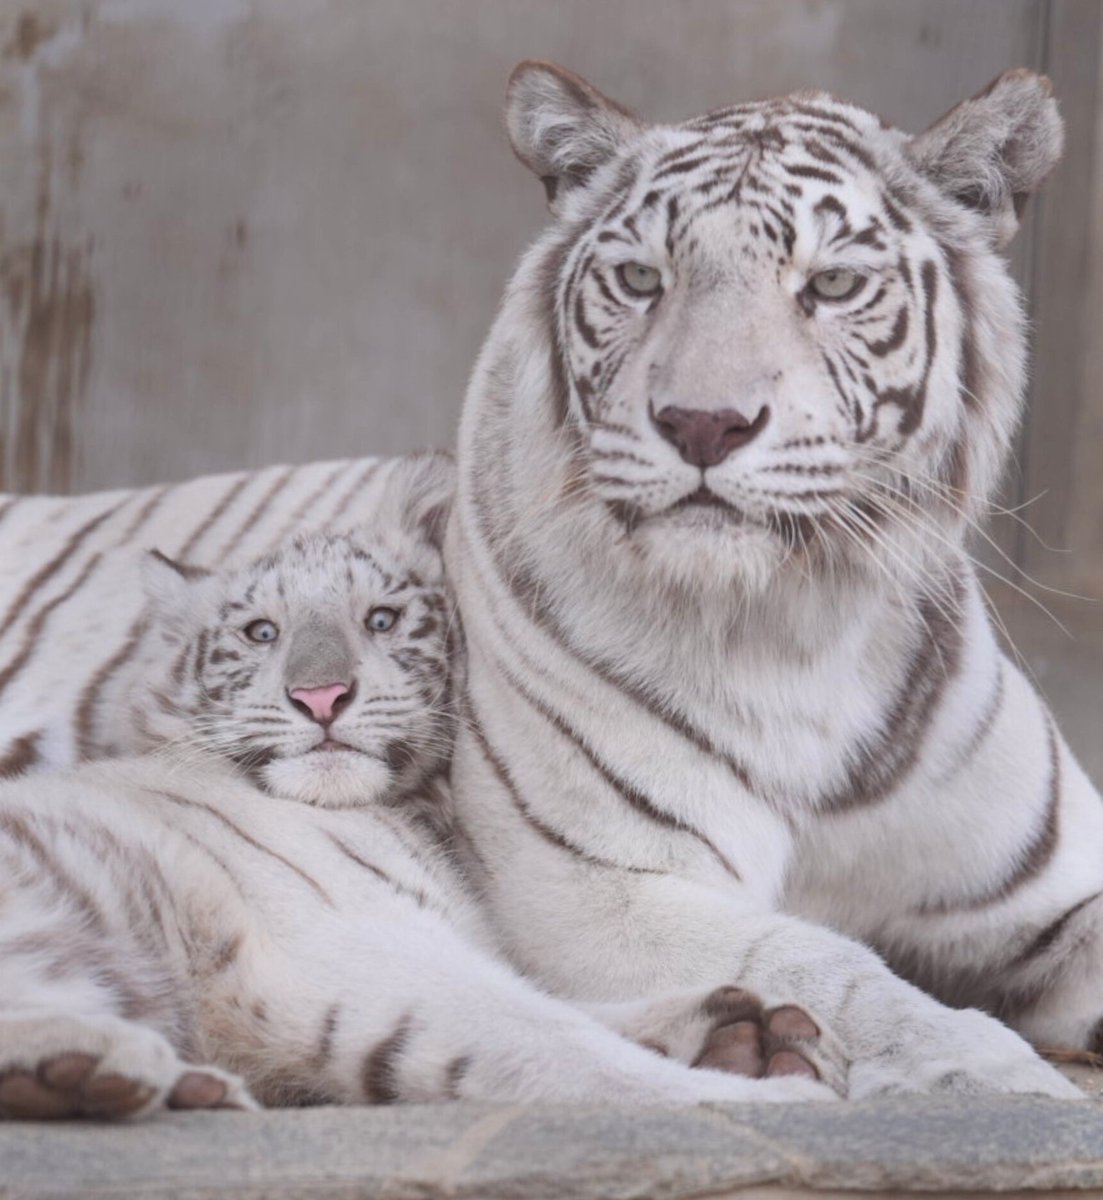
[[55, 1067]]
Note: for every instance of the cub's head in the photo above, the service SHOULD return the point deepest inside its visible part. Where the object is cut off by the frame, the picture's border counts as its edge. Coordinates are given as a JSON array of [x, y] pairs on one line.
[[322, 669], [780, 333]]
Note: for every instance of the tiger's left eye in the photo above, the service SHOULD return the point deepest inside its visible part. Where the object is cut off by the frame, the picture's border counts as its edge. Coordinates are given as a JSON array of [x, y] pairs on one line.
[[261, 631], [380, 620], [836, 283], [639, 279]]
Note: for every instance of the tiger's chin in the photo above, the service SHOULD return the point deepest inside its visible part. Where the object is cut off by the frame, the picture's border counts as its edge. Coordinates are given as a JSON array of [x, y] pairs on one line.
[[703, 549], [328, 779]]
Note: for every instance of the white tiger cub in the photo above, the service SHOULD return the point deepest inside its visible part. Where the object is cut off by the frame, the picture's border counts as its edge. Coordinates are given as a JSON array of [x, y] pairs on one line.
[[261, 905], [733, 690]]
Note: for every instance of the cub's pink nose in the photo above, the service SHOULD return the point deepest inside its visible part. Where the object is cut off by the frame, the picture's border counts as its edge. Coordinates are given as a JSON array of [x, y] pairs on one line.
[[320, 700]]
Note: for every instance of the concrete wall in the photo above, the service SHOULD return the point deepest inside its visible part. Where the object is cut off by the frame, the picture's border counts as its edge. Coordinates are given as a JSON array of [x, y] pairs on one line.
[[240, 231]]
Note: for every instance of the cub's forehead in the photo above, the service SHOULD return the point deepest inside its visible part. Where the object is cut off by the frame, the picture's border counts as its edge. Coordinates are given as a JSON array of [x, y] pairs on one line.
[[324, 569]]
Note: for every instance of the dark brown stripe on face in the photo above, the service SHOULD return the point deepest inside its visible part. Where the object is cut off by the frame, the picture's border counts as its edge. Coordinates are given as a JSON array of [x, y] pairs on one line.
[[34, 629], [184, 802], [380, 1070], [969, 366], [552, 836], [548, 284], [20, 755], [880, 763], [197, 534], [48, 570]]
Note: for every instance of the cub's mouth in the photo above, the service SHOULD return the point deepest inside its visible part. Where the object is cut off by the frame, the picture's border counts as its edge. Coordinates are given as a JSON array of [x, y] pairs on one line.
[[329, 745]]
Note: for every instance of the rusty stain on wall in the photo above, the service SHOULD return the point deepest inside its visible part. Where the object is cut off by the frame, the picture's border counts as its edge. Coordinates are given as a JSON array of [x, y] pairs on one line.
[[47, 309]]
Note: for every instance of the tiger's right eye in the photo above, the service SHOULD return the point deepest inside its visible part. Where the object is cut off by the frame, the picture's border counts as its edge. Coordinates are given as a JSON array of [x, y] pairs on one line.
[[639, 279], [261, 631]]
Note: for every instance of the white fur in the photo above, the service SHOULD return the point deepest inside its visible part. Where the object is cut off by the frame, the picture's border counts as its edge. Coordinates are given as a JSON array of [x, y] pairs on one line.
[[731, 674], [311, 936]]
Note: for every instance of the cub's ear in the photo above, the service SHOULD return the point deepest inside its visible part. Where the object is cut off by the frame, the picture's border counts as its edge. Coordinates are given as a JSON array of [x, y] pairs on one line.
[[561, 127], [991, 152], [418, 495], [169, 585]]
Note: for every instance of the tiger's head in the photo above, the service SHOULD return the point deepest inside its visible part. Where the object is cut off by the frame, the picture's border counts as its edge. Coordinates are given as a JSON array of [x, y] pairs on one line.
[[321, 669], [781, 333]]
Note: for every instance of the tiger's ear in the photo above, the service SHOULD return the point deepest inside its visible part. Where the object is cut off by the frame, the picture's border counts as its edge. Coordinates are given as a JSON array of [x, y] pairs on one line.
[[561, 127], [169, 585], [991, 152], [418, 495]]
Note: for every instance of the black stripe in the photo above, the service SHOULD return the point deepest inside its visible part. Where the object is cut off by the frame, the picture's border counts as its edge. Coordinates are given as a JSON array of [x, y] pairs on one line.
[[626, 791], [257, 512], [418, 896], [48, 570], [552, 836], [216, 512], [184, 802], [1034, 857], [380, 1070], [1052, 932], [34, 629]]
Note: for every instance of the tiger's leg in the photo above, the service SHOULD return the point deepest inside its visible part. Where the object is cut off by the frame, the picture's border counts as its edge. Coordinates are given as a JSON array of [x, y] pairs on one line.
[[1011, 920], [400, 1008], [92, 1023]]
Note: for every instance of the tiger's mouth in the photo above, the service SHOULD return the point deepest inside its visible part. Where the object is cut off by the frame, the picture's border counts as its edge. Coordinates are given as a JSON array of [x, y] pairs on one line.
[[705, 498]]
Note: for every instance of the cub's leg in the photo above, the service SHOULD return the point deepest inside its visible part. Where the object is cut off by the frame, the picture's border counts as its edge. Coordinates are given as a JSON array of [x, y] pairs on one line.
[[407, 1010], [58, 1065], [95, 1007]]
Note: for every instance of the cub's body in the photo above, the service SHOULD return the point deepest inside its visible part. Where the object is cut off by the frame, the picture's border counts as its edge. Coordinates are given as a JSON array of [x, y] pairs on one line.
[[263, 906]]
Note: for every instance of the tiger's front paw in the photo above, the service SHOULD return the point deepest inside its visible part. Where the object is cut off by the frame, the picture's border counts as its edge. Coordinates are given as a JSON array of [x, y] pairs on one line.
[[54, 1067], [746, 1037], [734, 1031], [966, 1053]]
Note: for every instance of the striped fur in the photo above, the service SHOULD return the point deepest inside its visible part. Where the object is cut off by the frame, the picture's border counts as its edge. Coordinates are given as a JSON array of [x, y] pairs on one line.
[[731, 685], [262, 905]]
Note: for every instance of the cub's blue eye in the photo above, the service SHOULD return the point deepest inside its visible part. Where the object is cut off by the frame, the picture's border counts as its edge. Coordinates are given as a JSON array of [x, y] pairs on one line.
[[261, 631], [379, 620]]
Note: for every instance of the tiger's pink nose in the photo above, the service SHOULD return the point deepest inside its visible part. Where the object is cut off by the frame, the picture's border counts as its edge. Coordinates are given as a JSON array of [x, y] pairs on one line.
[[320, 701]]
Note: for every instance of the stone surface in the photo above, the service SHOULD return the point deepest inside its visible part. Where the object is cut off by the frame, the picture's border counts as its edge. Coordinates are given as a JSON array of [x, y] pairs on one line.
[[486, 1152]]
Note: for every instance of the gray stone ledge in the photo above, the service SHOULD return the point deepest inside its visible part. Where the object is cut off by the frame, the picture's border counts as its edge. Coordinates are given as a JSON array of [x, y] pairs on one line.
[[488, 1152]]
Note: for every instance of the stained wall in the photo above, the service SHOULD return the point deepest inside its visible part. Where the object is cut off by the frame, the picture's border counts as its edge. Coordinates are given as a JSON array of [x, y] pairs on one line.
[[234, 232]]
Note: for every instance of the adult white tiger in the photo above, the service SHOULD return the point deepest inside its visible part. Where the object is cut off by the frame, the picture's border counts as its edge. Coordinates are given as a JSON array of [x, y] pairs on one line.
[[730, 676]]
